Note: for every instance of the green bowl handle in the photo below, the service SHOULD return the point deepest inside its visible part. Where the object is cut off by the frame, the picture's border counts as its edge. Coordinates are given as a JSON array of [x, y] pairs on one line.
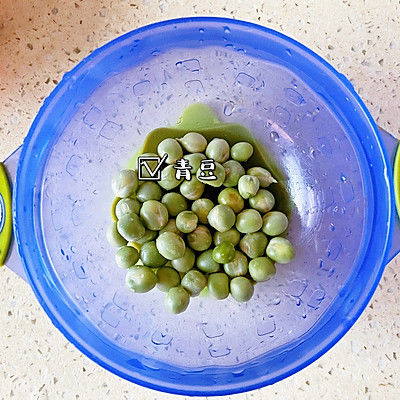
[[5, 215]]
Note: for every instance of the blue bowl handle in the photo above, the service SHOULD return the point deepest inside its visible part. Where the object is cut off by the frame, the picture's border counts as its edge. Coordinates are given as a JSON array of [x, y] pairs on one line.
[[391, 145]]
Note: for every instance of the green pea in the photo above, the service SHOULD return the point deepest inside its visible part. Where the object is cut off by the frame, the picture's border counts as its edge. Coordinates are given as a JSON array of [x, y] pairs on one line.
[[274, 223], [238, 266], [195, 160], [148, 191], [130, 227], [147, 237], [170, 245], [218, 285], [263, 175], [150, 256], [168, 178], [221, 218], [127, 206], [263, 201], [114, 237], [167, 278], [177, 300], [254, 244], [125, 183], [202, 207], [200, 239], [233, 171], [248, 186], [184, 263], [194, 142], [224, 253], [249, 221], [231, 236], [175, 203], [218, 150], [154, 215], [172, 148], [261, 269], [194, 282], [280, 250], [241, 289], [242, 151], [219, 173], [231, 197], [127, 257], [186, 221], [152, 164], [206, 263], [140, 279], [192, 189], [171, 227]]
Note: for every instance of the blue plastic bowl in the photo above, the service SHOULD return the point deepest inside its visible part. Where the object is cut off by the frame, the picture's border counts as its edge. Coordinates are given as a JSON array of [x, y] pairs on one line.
[[310, 119]]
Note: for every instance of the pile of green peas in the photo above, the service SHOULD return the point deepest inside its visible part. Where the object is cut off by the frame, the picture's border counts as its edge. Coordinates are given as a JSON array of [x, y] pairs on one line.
[[192, 237]]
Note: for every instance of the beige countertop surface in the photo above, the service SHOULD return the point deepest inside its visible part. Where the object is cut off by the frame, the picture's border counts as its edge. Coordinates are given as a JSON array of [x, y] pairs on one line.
[[41, 40]]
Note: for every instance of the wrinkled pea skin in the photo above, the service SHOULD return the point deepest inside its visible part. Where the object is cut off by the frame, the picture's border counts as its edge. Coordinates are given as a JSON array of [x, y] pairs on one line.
[[193, 142], [238, 266], [125, 183], [202, 207], [231, 236], [254, 244], [186, 221], [200, 239], [170, 245], [127, 206], [221, 218], [154, 215]]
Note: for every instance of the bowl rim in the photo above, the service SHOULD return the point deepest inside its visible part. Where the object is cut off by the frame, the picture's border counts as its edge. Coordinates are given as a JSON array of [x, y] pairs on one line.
[[32, 254]]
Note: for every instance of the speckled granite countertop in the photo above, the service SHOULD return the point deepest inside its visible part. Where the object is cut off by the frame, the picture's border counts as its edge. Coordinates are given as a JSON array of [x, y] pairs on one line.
[[40, 41]]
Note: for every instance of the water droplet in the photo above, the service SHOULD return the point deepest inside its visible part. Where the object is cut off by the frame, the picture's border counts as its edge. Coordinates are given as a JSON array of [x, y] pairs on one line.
[[343, 178], [201, 30], [274, 136], [229, 108], [304, 316], [332, 227], [288, 52], [227, 29]]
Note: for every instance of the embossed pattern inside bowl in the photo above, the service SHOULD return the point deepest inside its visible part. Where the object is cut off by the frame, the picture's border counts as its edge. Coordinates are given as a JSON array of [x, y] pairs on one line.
[[297, 106]]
